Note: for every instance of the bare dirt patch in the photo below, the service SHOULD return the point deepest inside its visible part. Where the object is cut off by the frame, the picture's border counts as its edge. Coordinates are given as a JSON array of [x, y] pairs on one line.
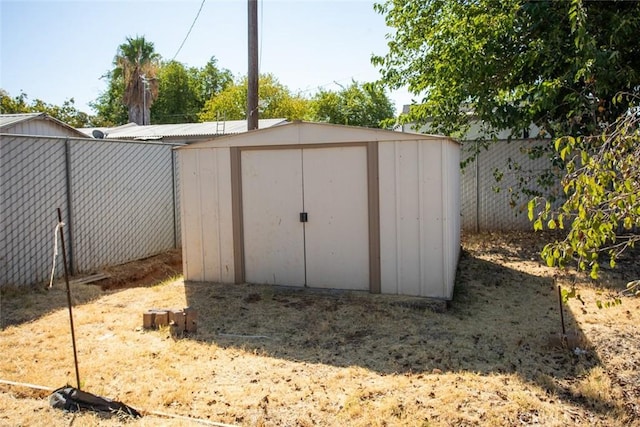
[[275, 356], [146, 272]]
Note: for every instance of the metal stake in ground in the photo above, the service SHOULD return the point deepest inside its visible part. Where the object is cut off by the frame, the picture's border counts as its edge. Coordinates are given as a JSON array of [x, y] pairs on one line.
[[564, 331], [66, 280]]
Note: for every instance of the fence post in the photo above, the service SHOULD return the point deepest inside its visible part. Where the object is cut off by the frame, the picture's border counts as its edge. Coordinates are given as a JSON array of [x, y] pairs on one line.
[[71, 242], [477, 187]]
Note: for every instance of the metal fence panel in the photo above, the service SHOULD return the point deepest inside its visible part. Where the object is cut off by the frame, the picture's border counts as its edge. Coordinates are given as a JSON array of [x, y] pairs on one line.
[[469, 195], [485, 201], [118, 200], [32, 187], [123, 202]]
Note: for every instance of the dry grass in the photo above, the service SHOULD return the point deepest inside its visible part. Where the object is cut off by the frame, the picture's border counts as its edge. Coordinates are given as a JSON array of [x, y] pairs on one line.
[[267, 356]]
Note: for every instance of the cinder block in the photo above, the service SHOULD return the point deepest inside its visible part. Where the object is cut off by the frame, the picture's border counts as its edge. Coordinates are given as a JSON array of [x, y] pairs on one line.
[[191, 320], [162, 318], [176, 317], [148, 319]]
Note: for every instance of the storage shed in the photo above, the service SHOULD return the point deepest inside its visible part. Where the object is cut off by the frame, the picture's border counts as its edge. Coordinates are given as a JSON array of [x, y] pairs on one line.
[[323, 206]]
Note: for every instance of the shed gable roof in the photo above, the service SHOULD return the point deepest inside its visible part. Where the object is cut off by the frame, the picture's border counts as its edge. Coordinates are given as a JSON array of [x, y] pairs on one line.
[[312, 133]]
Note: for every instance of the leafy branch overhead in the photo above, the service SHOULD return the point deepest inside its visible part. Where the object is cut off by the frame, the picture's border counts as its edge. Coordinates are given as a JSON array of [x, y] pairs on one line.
[[601, 210], [508, 64], [567, 70]]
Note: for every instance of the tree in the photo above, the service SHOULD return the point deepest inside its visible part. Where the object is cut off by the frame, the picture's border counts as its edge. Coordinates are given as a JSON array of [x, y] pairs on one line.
[[67, 113], [9, 105], [276, 101], [557, 64], [357, 105], [178, 100], [560, 65], [183, 91], [211, 80], [137, 63], [602, 188], [109, 107]]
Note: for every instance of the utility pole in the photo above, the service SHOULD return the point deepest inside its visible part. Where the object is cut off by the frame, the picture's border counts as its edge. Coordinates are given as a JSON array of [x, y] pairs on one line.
[[145, 82], [252, 89]]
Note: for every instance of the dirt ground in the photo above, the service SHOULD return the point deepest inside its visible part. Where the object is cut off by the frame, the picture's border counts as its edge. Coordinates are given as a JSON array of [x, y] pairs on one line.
[[273, 356]]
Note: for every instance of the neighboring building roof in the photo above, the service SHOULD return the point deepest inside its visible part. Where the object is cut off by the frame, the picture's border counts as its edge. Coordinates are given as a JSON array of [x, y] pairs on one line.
[[475, 131], [156, 132], [9, 121]]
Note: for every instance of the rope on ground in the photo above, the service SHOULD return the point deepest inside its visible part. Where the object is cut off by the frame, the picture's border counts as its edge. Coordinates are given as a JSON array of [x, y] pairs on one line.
[[242, 336], [34, 386], [55, 252]]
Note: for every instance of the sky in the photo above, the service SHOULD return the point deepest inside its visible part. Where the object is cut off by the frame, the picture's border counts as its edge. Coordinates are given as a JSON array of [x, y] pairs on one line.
[[54, 50]]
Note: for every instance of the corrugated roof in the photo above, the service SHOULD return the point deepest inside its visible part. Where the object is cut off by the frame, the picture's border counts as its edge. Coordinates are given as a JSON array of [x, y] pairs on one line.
[[154, 132], [11, 119]]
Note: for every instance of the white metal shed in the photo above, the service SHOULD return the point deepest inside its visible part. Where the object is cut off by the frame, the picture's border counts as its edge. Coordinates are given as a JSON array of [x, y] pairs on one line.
[[323, 206]]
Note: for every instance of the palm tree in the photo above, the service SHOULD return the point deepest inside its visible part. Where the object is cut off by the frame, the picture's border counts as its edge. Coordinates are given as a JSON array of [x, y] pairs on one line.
[[136, 62]]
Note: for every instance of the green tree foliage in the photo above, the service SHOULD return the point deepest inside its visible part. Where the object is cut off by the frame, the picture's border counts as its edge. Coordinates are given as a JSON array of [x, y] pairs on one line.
[[211, 80], [177, 100], [357, 105], [560, 65], [67, 112], [276, 101], [109, 107], [136, 62], [602, 187], [183, 90], [512, 63]]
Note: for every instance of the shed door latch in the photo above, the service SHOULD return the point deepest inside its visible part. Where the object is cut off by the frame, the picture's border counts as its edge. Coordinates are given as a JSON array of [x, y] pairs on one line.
[[303, 217]]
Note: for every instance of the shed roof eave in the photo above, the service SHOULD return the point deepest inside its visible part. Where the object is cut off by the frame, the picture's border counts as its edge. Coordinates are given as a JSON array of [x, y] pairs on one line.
[[311, 132]]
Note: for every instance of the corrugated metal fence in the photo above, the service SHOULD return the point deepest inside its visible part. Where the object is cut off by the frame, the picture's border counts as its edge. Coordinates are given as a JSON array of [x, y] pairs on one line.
[[118, 199], [485, 203]]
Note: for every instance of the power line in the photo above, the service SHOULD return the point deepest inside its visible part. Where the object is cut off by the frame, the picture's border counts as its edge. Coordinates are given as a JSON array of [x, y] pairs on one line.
[[190, 28]]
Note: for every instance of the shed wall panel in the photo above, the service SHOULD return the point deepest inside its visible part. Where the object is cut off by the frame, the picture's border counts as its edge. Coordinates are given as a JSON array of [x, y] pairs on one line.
[[451, 214], [431, 220], [408, 217], [207, 224], [217, 236], [411, 239], [191, 218]]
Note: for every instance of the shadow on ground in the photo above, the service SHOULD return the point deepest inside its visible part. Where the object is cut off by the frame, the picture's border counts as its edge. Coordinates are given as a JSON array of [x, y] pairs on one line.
[[499, 322], [25, 304]]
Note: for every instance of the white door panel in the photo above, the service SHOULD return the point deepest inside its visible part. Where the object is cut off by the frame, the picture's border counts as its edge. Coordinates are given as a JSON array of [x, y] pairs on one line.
[[337, 231], [272, 202]]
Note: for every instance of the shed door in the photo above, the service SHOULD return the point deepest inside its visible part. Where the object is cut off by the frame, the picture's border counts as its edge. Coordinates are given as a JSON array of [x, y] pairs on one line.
[[337, 233], [331, 249], [271, 204]]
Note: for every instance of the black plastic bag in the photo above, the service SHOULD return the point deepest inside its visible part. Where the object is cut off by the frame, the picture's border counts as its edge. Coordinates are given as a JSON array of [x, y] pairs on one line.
[[71, 399]]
